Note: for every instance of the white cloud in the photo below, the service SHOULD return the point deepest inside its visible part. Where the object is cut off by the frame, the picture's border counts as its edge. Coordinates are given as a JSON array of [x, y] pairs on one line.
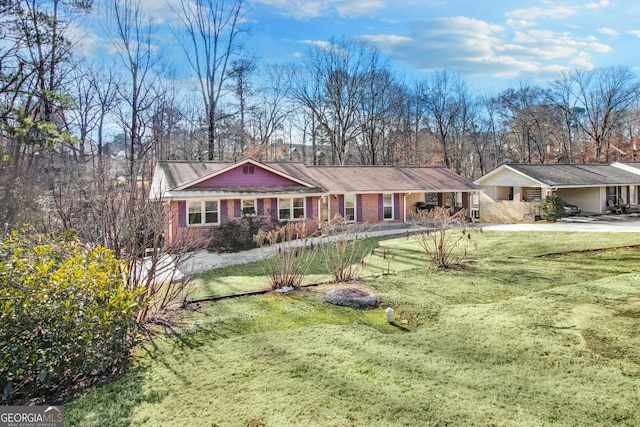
[[597, 5], [519, 23], [302, 9], [532, 13], [608, 32], [480, 48], [634, 32], [461, 43], [319, 43], [88, 42]]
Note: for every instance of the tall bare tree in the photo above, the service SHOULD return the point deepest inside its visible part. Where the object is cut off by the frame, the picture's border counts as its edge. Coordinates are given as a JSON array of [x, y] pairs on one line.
[[272, 107], [332, 83], [605, 95], [447, 106], [211, 42], [132, 34]]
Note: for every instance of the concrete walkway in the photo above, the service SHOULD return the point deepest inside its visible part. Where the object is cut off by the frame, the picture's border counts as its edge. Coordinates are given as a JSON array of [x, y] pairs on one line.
[[204, 260]]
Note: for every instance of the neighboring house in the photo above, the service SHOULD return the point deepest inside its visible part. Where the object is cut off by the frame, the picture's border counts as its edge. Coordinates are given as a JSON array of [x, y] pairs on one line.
[[514, 192], [207, 194]]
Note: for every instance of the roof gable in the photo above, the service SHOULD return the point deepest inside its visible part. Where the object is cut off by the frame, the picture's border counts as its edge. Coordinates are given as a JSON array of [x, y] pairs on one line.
[[508, 176], [246, 173]]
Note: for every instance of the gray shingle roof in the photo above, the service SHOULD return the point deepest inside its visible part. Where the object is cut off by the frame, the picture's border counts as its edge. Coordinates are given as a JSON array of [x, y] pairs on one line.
[[577, 175], [170, 175]]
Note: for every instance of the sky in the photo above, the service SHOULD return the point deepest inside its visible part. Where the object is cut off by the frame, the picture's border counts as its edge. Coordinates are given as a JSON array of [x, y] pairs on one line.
[[492, 44]]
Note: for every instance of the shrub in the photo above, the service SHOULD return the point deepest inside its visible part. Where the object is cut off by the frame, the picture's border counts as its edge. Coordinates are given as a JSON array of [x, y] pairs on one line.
[[446, 235], [342, 248], [66, 315], [289, 254], [552, 208], [237, 235]]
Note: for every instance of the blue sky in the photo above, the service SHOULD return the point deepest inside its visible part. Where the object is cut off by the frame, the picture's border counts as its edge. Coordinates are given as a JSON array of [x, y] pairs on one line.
[[492, 44]]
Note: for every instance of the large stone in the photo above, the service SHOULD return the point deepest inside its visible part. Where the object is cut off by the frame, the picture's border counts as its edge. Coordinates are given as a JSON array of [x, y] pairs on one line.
[[352, 297]]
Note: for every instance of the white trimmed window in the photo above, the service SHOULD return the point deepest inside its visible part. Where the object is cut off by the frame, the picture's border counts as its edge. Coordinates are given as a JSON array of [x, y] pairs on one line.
[[350, 207], [291, 208], [249, 207], [203, 212], [387, 206]]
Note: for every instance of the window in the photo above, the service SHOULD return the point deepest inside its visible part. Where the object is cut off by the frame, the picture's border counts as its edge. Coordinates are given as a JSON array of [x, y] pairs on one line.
[[350, 207], [248, 170], [291, 208], [505, 193], [431, 199], [453, 200], [531, 194], [203, 212], [618, 195], [248, 207], [387, 206]]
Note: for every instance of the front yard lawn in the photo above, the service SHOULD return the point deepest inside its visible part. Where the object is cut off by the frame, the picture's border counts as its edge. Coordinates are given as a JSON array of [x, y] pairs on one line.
[[516, 338]]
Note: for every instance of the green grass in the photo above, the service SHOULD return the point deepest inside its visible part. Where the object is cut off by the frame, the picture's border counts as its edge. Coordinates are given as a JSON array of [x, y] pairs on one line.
[[237, 279], [518, 338]]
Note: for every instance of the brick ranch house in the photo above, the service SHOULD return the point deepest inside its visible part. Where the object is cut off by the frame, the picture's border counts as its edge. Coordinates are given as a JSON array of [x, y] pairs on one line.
[[202, 195]]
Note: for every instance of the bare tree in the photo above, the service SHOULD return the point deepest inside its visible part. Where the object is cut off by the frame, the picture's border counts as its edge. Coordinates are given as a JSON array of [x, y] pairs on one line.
[[378, 105], [272, 107], [132, 34], [213, 29], [448, 115], [605, 95], [332, 84]]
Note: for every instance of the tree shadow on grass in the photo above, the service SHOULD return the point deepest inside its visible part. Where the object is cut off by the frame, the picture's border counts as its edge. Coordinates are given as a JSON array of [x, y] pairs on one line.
[[111, 404]]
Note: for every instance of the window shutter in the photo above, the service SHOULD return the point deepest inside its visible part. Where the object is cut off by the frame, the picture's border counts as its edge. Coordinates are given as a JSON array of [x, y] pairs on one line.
[[359, 207], [260, 207], [341, 204], [274, 210], [380, 207], [224, 212], [309, 210], [396, 206], [236, 208], [182, 214]]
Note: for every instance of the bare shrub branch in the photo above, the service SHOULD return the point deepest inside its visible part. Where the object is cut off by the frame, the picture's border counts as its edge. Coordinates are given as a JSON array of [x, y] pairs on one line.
[[446, 235], [290, 253], [342, 248]]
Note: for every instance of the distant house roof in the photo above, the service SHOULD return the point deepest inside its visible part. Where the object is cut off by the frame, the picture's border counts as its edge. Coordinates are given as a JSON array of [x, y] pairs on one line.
[[172, 178], [573, 175]]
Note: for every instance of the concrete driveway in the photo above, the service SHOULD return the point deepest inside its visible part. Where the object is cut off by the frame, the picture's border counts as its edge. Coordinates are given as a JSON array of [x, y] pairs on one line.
[[601, 223]]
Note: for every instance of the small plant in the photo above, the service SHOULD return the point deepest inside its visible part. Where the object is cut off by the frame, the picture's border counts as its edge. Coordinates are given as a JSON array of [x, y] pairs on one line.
[[446, 235], [291, 253], [552, 208], [342, 248]]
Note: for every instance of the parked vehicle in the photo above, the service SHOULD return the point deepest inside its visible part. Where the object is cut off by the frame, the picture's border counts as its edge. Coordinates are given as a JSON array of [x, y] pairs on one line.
[[570, 210]]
